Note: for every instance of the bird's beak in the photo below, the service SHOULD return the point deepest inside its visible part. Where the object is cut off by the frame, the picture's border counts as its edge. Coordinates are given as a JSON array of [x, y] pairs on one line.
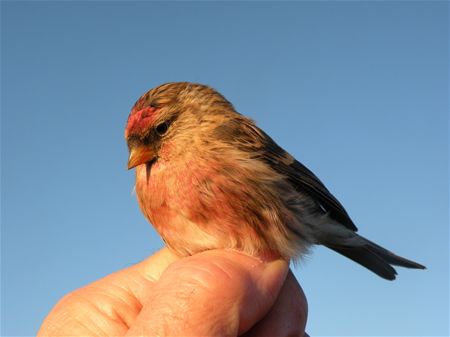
[[140, 155]]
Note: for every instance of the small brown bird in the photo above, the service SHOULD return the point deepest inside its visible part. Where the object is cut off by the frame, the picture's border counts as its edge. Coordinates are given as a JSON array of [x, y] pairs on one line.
[[208, 177]]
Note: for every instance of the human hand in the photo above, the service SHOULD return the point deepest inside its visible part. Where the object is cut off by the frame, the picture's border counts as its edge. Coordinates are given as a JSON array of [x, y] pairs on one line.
[[214, 293]]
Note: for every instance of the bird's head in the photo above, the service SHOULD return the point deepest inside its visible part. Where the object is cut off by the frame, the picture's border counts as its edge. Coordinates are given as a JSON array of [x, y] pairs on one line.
[[172, 113]]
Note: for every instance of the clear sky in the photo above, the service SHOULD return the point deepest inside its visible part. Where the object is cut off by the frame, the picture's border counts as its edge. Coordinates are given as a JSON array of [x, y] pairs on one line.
[[357, 91]]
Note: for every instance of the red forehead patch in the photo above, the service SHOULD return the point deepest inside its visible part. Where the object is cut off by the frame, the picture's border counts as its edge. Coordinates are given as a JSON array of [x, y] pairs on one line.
[[139, 121]]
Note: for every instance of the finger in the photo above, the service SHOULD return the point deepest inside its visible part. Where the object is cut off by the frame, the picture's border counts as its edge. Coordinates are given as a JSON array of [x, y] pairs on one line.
[[138, 278], [214, 293], [288, 315], [108, 306]]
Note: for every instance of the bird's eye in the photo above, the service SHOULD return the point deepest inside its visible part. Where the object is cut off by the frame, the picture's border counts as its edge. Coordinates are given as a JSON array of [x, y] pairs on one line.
[[161, 129]]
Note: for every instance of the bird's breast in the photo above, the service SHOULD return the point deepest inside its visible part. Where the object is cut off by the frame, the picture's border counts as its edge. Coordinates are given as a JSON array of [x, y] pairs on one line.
[[184, 188], [203, 205], [153, 186], [183, 204]]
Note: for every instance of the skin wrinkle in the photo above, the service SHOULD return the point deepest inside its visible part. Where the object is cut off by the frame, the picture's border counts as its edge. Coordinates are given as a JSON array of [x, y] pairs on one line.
[[137, 285], [114, 311], [111, 309], [203, 277], [90, 327], [103, 311], [176, 314], [119, 293], [182, 307], [89, 322]]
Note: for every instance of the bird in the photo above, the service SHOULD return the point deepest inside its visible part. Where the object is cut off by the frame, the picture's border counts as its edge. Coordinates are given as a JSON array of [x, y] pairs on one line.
[[207, 177]]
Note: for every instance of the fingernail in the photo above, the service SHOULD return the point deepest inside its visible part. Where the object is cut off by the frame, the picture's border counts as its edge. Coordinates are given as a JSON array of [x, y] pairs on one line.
[[274, 274]]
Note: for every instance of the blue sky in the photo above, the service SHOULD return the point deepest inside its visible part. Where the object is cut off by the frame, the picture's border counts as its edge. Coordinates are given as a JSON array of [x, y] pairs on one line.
[[357, 91]]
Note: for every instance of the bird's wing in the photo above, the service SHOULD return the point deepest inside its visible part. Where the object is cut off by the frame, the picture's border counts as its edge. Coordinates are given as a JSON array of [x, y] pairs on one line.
[[242, 132], [306, 181]]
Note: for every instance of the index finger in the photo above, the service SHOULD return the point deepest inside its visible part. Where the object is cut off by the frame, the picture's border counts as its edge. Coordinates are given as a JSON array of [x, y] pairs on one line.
[[107, 306]]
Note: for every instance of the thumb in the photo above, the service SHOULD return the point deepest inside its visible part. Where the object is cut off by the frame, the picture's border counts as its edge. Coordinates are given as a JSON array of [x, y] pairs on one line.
[[214, 293]]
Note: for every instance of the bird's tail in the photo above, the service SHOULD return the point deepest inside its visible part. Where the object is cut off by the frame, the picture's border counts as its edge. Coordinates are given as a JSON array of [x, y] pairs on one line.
[[372, 256]]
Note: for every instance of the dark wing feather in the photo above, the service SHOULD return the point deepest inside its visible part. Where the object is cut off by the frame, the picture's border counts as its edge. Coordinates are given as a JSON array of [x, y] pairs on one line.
[[243, 133], [304, 180]]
